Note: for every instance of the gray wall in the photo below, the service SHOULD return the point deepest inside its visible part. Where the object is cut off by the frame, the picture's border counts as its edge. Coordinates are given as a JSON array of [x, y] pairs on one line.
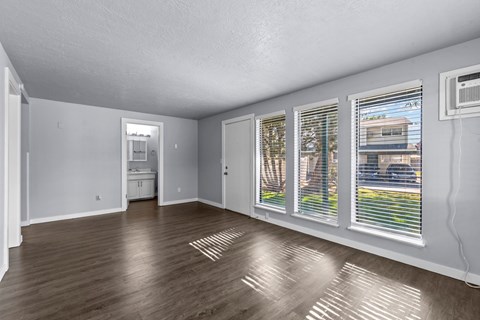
[[439, 151], [71, 165], [4, 62]]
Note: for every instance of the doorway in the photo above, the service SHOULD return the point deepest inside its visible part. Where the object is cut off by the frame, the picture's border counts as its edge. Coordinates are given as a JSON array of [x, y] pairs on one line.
[[237, 167], [138, 182]]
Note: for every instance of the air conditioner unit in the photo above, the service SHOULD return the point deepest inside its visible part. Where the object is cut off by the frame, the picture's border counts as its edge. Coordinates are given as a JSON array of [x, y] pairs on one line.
[[468, 90], [460, 93]]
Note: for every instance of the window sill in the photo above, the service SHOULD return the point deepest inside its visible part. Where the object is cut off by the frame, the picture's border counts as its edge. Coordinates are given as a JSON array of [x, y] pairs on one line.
[[271, 209], [391, 236], [317, 220]]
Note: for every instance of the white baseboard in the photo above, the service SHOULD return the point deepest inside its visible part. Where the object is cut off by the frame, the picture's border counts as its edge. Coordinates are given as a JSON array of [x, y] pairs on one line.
[[3, 270], [24, 223], [74, 215], [169, 203], [211, 203], [416, 262]]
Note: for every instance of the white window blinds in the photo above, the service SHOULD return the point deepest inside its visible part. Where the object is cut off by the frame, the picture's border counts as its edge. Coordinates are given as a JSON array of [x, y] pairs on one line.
[[271, 161], [316, 162], [388, 162]]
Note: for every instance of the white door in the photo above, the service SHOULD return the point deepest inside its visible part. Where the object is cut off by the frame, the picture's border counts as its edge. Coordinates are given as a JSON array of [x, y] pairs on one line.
[[238, 166]]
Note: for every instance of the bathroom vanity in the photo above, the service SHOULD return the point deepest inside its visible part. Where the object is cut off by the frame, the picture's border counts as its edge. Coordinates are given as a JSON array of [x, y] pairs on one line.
[[141, 184]]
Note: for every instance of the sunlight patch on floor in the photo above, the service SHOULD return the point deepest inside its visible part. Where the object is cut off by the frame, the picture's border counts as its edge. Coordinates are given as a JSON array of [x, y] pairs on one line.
[[270, 275], [358, 294], [213, 246]]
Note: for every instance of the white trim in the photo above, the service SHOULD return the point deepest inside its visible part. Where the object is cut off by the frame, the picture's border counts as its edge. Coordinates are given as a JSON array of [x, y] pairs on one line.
[[387, 89], [211, 203], [15, 170], [222, 163], [8, 74], [3, 270], [271, 114], [316, 104], [9, 80], [169, 203], [239, 119], [24, 223], [417, 242], [256, 168], [268, 208], [75, 215], [353, 162], [332, 222], [253, 172], [124, 157], [416, 262], [28, 188], [250, 117], [296, 158]]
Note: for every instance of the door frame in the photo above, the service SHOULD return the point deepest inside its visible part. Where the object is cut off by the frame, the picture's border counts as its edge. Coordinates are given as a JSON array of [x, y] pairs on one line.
[[251, 118], [10, 83], [160, 175], [25, 99]]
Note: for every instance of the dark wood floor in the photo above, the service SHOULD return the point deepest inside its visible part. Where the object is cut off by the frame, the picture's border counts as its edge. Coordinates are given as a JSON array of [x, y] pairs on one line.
[[194, 261]]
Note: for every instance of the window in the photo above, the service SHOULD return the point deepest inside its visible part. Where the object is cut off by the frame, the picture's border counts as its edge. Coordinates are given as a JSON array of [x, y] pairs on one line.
[[316, 161], [387, 167], [391, 131], [270, 161]]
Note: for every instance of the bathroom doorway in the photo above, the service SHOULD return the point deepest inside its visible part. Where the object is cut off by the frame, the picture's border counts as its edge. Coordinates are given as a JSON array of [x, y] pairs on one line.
[[142, 161]]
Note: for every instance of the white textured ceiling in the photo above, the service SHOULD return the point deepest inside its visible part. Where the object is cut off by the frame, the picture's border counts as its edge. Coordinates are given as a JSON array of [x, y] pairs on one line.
[[197, 58]]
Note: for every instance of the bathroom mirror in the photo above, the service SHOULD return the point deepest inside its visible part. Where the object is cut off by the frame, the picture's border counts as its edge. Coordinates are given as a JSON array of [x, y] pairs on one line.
[[137, 148]]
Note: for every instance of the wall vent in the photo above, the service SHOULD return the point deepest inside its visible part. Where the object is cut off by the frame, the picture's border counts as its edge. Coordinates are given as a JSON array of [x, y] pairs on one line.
[[460, 93]]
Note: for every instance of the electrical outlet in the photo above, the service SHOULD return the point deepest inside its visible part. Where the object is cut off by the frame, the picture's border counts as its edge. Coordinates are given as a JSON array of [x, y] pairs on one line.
[[98, 197], [179, 189]]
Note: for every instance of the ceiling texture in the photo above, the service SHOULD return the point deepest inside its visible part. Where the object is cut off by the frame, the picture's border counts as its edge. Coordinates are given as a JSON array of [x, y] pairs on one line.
[[193, 59]]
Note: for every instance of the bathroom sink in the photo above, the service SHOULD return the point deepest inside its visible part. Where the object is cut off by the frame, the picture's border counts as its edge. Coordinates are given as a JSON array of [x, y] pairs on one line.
[[141, 174]]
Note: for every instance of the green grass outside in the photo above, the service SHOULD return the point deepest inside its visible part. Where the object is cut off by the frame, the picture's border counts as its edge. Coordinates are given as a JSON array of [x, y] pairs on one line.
[[384, 208], [273, 198], [400, 208]]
